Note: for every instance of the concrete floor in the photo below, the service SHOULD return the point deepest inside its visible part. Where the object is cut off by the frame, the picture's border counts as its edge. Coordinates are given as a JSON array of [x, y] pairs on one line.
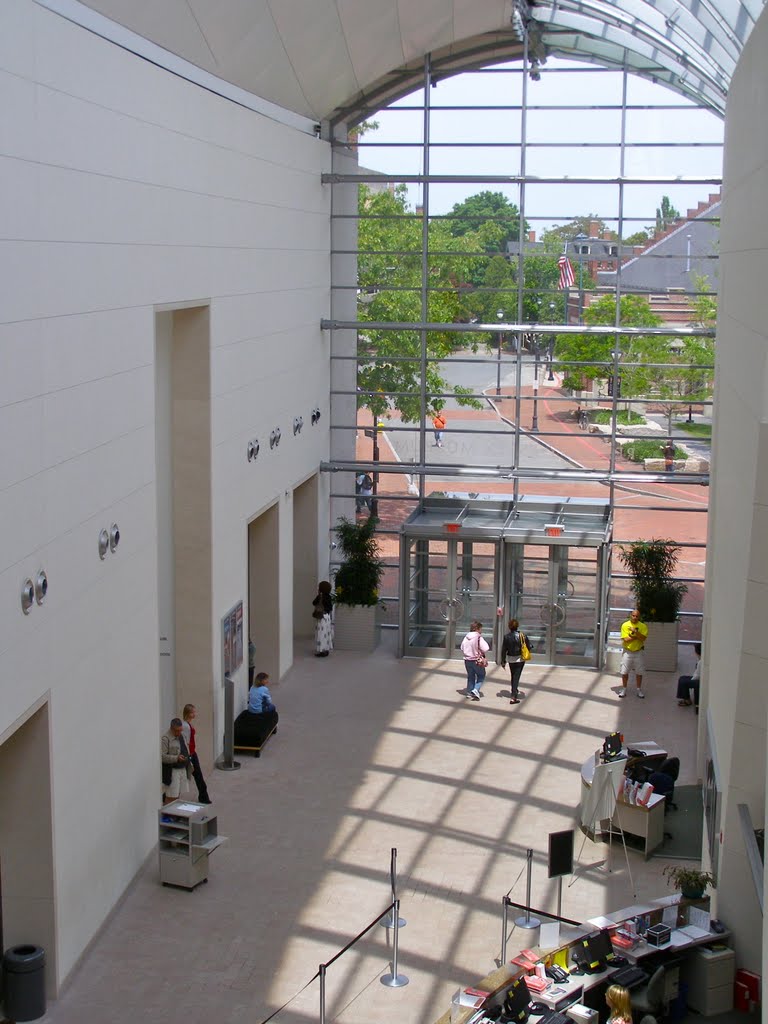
[[374, 753]]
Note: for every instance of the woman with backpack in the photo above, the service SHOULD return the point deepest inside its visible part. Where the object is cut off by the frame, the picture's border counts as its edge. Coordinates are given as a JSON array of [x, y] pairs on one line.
[[512, 652]]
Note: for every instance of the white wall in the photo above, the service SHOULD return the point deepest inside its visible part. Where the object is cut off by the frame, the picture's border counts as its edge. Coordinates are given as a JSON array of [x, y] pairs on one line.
[[736, 641], [124, 188]]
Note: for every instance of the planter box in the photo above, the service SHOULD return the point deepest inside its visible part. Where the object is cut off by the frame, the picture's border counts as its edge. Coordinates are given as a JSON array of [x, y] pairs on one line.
[[356, 628], [661, 647]]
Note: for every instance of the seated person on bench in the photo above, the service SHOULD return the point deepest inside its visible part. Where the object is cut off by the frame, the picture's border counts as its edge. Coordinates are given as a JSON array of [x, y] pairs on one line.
[[259, 697], [687, 685]]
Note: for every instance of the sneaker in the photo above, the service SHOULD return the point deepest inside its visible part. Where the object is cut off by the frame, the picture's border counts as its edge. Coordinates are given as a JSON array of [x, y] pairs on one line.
[[468, 695], [514, 700], [480, 693], [474, 695], [640, 694], [622, 692]]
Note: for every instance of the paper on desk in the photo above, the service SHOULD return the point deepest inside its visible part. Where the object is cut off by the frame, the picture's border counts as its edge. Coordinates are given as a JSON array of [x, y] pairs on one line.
[[679, 938], [696, 933], [602, 922], [669, 915], [698, 918], [549, 934]]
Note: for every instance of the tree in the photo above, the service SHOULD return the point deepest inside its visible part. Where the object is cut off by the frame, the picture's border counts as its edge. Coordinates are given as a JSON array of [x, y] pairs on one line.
[[641, 237], [500, 218], [666, 214], [634, 311], [389, 283]]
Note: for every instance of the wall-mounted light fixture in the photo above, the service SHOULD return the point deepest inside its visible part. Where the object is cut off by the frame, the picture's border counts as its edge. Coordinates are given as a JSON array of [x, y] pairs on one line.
[[274, 438], [114, 537], [315, 416], [103, 543], [27, 595], [253, 450], [298, 423], [41, 586]]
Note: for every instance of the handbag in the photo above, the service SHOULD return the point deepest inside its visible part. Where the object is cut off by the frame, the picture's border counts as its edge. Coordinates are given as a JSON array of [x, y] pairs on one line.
[[525, 651], [318, 612], [167, 773], [481, 661]]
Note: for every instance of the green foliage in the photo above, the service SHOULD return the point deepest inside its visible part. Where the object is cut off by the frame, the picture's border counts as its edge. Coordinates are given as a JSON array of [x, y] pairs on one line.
[[640, 450], [641, 237], [687, 879], [492, 209], [389, 281], [697, 429], [627, 417], [666, 214], [358, 577], [652, 565], [635, 311]]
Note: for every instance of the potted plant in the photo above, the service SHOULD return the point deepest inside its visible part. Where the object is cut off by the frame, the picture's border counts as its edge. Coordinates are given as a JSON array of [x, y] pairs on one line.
[[356, 585], [691, 882], [652, 565]]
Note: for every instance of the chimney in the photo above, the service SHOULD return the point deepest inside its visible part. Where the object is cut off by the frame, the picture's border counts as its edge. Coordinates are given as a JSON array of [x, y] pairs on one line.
[[594, 229], [532, 237]]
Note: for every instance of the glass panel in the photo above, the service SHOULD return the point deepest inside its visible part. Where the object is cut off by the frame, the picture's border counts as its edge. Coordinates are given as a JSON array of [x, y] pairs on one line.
[[530, 596], [475, 588], [430, 607], [574, 609]]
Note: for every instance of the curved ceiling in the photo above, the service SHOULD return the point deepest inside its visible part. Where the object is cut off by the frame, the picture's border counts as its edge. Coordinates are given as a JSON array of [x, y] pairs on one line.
[[339, 59]]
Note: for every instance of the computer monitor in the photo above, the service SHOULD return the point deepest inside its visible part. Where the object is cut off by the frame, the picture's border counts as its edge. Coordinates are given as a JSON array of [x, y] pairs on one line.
[[600, 946], [516, 1002]]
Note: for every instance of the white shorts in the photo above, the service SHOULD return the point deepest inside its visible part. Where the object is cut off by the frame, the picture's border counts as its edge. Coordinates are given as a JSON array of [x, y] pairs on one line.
[[632, 661], [179, 784]]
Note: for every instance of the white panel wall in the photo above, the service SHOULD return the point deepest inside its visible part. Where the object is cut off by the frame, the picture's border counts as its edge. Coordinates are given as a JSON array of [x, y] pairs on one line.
[[123, 188], [736, 641]]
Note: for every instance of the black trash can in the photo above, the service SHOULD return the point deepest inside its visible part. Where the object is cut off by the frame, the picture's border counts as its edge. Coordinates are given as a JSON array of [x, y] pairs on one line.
[[24, 982]]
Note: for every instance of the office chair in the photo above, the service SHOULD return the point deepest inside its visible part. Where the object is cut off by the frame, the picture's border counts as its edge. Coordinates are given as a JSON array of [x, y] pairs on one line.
[[663, 780], [649, 998]]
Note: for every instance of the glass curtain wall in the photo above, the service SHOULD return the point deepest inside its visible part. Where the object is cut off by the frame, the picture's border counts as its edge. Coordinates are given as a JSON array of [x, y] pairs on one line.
[[524, 301]]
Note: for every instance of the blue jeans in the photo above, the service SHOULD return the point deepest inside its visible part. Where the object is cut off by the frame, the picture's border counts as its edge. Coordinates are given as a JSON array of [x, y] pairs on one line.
[[475, 674]]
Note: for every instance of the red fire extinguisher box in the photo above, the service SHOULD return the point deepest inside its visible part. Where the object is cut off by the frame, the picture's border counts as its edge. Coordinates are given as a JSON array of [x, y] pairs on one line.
[[746, 995]]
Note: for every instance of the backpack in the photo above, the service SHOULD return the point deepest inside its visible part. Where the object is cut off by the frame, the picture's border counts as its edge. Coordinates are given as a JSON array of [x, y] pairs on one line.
[[367, 483]]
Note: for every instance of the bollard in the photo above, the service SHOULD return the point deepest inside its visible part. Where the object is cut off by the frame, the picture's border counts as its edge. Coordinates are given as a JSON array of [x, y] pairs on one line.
[[322, 993], [388, 921], [504, 928], [527, 921], [394, 980]]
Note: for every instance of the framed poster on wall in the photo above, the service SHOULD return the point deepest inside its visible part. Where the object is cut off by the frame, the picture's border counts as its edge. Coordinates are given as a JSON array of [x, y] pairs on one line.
[[232, 639]]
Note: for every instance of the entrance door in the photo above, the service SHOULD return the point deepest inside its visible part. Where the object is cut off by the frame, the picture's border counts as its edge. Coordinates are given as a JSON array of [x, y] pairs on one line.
[[553, 590], [450, 584]]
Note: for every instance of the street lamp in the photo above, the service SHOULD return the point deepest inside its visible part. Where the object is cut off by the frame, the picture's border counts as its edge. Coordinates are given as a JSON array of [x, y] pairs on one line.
[[535, 420], [551, 349], [499, 317]]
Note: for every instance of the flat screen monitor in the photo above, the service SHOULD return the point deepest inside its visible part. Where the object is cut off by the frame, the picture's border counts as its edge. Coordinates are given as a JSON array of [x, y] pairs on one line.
[[600, 946], [516, 1002]]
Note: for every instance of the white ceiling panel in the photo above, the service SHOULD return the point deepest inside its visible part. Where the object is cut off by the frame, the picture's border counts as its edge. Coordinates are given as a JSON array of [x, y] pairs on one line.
[[315, 57]]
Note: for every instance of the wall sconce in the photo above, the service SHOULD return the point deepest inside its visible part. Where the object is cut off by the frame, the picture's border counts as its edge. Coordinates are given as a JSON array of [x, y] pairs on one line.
[[253, 450], [114, 537], [274, 438], [298, 423], [41, 586], [103, 544], [27, 595], [315, 417]]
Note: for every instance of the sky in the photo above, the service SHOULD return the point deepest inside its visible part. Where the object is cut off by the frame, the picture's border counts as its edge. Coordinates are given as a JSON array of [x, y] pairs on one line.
[[564, 84]]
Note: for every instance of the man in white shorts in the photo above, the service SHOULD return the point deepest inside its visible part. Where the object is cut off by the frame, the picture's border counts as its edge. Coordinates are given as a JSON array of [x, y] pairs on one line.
[[175, 760], [634, 633]]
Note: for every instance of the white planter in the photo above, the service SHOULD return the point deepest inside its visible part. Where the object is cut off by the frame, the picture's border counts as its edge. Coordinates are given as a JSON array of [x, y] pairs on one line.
[[661, 646], [356, 628]]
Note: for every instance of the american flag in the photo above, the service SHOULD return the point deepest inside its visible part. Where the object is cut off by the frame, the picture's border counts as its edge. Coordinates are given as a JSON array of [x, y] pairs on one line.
[[566, 272]]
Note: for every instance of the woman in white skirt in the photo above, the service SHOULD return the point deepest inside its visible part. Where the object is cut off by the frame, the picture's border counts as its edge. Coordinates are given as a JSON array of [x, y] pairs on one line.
[[322, 614]]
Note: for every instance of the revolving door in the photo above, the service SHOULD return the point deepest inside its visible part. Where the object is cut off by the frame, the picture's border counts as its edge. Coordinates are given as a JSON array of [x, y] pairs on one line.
[[541, 561]]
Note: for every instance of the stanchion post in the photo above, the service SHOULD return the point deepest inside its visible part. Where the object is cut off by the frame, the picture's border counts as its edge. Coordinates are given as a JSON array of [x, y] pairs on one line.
[[322, 993], [388, 921], [394, 980], [527, 921], [504, 928], [227, 762]]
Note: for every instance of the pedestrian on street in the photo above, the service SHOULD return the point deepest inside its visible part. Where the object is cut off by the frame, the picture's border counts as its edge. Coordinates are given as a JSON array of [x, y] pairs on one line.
[[668, 451], [634, 633], [439, 424]]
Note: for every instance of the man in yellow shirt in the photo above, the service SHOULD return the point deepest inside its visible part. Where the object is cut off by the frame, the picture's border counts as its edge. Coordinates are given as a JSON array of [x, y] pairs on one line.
[[634, 633]]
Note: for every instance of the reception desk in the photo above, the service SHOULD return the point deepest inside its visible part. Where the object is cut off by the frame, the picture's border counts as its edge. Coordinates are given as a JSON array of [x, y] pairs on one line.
[[581, 988], [646, 823]]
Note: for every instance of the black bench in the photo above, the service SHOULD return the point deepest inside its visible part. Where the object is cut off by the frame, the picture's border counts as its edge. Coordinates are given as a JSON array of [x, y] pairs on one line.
[[253, 731]]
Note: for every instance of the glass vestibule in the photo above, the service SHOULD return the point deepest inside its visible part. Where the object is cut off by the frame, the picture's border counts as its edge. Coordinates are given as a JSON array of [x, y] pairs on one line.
[[540, 560]]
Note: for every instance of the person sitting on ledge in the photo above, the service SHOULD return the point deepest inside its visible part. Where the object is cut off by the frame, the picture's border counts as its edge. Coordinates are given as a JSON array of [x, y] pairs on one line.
[[259, 697], [687, 685]]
